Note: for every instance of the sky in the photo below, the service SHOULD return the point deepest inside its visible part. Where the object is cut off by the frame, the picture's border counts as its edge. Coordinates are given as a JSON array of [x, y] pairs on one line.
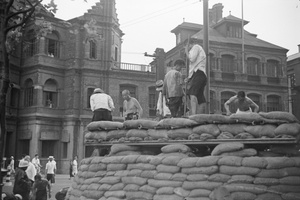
[[147, 24]]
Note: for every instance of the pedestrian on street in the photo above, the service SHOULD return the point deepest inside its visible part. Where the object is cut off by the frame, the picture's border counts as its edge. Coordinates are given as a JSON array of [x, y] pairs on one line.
[[162, 110], [36, 162], [75, 166], [172, 88], [51, 170], [41, 188], [102, 105], [22, 184], [11, 165], [197, 79], [131, 107], [30, 171]]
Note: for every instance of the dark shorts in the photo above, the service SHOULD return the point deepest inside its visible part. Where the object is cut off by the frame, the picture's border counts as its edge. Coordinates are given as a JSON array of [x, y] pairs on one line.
[[197, 84], [174, 104], [102, 115], [131, 116], [51, 178]]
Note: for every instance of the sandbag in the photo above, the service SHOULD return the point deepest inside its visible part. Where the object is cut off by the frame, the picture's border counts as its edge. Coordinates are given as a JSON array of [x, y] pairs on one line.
[[158, 133], [232, 128], [100, 135], [197, 177], [279, 162], [208, 185], [280, 115], [138, 195], [241, 153], [211, 119], [254, 162], [167, 168], [137, 133], [140, 123], [227, 147], [225, 136], [292, 129], [165, 190], [136, 180], [104, 125], [206, 136], [174, 148], [200, 170], [241, 179], [243, 196], [244, 136], [232, 170], [199, 193], [247, 117], [230, 161], [187, 162], [164, 183], [266, 181], [261, 130], [116, 134], [89, 135], [176, 123], [180, 133], [122, 147], [212, 129], [219, 178], [163, 175]]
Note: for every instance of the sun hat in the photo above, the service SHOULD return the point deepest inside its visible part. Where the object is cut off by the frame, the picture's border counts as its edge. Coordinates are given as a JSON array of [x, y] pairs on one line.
[[159, 85], [98, 90], [51, 157], [19, 196], [23, 163]]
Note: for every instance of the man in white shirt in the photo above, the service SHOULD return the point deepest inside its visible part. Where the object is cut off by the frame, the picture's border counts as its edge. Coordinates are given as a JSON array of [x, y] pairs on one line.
[[36, 162], [131, 107], [162, 109], [30, 171], [197, 76], [51, 170], [102, 105]]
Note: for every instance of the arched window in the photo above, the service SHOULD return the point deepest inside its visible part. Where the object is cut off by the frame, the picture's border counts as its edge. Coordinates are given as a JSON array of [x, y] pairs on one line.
[[30, 44], [28, 93], [273, 103], [253, 65], [224, 97], [227, 63], [152, 102], [93, 49], [50, 94], [52, 45], [256, 99], [272, 66]]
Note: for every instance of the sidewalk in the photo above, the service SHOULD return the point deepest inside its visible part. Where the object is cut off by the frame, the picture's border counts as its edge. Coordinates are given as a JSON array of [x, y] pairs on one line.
[[61, 181]]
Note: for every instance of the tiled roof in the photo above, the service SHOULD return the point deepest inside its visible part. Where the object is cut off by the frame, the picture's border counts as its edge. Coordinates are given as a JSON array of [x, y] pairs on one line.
[[294, 56], [188, 25]]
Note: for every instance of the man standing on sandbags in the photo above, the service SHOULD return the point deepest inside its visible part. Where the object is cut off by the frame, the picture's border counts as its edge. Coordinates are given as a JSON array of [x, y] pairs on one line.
[[131, 107], [242, 102], [197, 79], [102, 105], [173, 88]]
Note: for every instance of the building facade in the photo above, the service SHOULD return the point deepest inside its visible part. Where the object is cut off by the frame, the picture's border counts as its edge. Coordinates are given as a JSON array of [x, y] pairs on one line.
[[293, 72], [53, 77], [263, 77]]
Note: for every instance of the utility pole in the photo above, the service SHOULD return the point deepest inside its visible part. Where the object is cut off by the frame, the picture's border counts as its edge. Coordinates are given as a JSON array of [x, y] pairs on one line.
[[206, 49]]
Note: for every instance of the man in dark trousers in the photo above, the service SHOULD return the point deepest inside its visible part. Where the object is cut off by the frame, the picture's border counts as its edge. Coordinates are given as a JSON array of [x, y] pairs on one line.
[[102, 105]]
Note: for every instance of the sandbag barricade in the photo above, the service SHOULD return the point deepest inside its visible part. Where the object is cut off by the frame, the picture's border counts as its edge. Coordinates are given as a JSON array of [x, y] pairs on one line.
[[201, 127], [172, 176]]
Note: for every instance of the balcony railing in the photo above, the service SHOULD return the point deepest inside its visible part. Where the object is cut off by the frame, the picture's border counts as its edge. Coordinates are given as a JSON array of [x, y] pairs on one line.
[[134, 67]]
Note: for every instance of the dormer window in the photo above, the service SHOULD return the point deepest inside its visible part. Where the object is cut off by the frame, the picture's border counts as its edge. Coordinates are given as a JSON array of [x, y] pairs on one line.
[[234, 31]]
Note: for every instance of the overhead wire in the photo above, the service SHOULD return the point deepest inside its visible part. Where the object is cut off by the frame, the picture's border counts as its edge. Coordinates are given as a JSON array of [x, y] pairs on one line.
[[142, 19]]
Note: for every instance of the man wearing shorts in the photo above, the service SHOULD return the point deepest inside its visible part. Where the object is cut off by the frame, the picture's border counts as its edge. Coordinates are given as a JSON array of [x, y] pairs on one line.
[[50, 170], [197, 76]]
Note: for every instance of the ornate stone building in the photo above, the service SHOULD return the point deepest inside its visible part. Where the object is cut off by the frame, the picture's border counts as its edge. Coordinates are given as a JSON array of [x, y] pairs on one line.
[[264, 76], [53, 77]]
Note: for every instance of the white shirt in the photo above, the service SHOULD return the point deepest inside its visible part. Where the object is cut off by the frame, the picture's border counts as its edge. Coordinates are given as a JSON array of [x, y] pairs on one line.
[[162, 108], [50, 167], [101, 100], [74, 167], [197, 59], [36, 162], [31, 171]]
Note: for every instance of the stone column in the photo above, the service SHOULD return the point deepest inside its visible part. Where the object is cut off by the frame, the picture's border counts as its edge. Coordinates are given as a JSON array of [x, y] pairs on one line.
[[38, 95]]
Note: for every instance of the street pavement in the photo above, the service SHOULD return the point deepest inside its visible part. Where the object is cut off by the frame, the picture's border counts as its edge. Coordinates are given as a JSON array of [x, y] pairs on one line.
[[61, 181]]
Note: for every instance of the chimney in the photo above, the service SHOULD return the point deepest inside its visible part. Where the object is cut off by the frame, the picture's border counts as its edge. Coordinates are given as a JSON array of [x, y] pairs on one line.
[[215, 13], [299, 48]]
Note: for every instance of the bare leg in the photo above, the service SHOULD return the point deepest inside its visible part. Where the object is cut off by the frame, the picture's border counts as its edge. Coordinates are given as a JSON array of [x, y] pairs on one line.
[[194, 104]]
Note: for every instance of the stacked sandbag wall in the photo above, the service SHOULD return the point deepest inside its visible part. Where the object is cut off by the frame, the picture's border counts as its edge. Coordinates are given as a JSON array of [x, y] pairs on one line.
[[196, 127], [193, 178]]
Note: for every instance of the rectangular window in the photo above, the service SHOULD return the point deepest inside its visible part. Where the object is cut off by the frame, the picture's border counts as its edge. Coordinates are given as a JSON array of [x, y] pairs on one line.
[[64, 149], [31, 47], [50, 99], [152, 102], [116, 54], [28, 97], [14, 97], [89, 94], [93, 50], [48, 147], [52, 48], [24, 146]]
